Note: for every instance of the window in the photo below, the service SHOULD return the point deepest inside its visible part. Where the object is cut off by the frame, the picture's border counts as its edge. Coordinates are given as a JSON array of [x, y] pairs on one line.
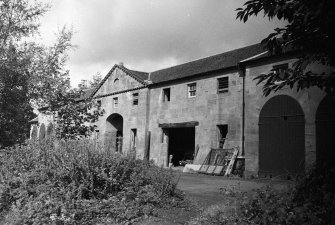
[[116, 80], [135, 98], [223, 84], [192, 90], [116, 102], [280, 69], [166, 94], [99, 104], [133, 138], [222, 134]]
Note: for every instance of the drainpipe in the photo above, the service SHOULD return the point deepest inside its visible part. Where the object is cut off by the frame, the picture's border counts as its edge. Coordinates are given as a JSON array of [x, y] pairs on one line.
[[242, 73], [147, 119]]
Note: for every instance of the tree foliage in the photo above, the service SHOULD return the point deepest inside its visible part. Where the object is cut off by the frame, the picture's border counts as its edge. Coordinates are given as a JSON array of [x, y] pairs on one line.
[[309, 31], [15, 110], [32, 74], [75, 114]]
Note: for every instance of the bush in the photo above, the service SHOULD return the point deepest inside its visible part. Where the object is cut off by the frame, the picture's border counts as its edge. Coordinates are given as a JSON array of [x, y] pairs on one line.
[[72, 182], [311, 201]]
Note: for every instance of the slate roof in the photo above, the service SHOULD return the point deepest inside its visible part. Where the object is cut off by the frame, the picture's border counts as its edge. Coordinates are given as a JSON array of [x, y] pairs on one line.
[[221, 61], [213, 63], [138, 75]]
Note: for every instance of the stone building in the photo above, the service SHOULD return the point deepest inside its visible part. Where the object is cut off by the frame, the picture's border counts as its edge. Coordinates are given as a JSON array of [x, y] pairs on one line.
[[214, 102]]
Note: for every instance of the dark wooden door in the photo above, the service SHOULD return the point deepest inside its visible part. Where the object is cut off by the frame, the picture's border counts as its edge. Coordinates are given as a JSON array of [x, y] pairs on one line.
[[281, 137], [325, 130]]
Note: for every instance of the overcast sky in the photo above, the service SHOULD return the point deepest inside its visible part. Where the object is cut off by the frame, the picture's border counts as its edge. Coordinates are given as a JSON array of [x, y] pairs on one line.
[[147, 35]]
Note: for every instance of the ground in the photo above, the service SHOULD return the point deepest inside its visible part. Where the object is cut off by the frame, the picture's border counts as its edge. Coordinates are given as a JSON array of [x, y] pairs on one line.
[[204, 191]]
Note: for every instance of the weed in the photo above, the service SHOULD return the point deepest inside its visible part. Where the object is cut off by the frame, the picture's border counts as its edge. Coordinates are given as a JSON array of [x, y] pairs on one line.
[[73, 182]]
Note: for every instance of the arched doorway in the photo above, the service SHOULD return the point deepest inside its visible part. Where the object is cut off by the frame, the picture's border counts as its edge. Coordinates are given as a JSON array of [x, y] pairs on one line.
[[281, 137], [325, 130], [41, 136], [34, 132], [114, 132]]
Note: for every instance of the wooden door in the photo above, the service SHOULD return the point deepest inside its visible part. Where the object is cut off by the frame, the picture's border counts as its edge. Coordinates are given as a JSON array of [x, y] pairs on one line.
[[281, 137], [325, 130]]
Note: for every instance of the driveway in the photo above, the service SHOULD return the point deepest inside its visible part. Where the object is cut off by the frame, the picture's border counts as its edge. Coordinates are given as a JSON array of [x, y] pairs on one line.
[[205, 189]]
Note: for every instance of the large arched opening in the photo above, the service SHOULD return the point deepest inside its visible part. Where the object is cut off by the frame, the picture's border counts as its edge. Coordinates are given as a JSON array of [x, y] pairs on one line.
[[281, 137], [325, 130], [114, 133]]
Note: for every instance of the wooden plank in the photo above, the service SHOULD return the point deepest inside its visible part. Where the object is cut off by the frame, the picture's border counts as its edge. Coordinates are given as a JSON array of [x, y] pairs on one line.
[[232, 162], [176, 125], [218, 170]]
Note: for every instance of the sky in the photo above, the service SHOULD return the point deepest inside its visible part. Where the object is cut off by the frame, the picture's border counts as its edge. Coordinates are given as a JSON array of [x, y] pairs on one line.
[[148, 35]]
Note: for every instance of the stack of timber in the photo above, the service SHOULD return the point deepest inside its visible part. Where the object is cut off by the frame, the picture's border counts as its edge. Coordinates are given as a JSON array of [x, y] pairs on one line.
[[219, 161]]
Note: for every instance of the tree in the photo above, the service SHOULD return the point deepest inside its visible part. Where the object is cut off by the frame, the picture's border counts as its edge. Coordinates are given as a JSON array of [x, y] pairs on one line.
[[31, 74], [75, 114], [309, 31], [96, 80], [15, 110]]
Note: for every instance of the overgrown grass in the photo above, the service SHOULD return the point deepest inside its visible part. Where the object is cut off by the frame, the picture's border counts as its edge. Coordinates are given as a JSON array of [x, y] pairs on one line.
[[74, 183], [310, 201]]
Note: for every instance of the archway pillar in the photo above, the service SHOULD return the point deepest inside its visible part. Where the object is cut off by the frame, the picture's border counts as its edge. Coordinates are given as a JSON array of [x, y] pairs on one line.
[[310, 144]]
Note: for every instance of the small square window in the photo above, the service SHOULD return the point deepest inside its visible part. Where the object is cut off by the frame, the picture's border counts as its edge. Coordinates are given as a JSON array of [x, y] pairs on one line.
[[280, 70], [135, 98], [133, 138], [192, 90], [166, 94], [223, 84], [99, 104], [116, 102]]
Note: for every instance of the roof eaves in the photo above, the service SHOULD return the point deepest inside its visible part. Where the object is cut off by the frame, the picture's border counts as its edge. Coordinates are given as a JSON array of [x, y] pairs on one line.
[[103, 80]]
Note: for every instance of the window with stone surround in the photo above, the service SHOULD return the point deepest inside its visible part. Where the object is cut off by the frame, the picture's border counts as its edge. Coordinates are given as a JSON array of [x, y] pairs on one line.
[[166, 94], [280, 70], [222, 134], [99, 104], [115, 102], [223, 85], [192, 90], [135, 98]]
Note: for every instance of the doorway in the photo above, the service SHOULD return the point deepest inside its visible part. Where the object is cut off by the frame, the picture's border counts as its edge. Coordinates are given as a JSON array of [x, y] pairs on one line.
[[114, 133], [281, 137], [181, 145], [325, 131]]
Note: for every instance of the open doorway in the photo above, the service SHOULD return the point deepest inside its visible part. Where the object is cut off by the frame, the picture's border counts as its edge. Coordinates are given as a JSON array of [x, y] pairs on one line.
[[114, 133], [181, 145]]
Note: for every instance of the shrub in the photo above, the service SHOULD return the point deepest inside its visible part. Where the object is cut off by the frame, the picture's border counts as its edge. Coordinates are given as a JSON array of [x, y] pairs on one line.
[[72, 182], [311, 201]]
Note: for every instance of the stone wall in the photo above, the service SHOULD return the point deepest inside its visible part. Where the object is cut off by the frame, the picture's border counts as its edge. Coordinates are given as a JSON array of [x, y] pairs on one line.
[[208, 108], [134, 116], [254, 100]]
